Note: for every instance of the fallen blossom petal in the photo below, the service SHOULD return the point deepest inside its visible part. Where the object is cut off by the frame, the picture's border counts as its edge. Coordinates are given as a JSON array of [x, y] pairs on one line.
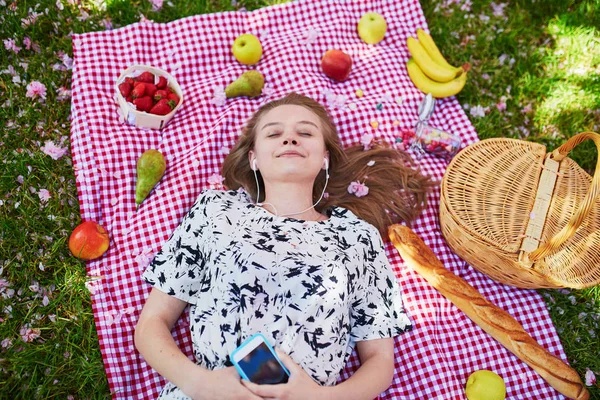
[[371, 163], [29, 334], [67, 61], [366, 140], [53, 150], [498, 9], [143, 259], [36, 89], [219, 97], [63, 93], [10, 44], [527, 109], [107, 23], [311, 36], [267, 90], [44, 195], [590, 377], [156, 5], [91, 287], [358, 189], [215, 179], [478, 111]]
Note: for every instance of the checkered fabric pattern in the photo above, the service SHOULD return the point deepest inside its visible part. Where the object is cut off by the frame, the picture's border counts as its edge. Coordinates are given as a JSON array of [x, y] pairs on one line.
[[435, 359]]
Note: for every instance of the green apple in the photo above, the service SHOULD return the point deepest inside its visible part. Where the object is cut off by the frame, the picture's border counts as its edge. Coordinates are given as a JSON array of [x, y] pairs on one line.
[[372, 27], [485, 385], [247, 49]]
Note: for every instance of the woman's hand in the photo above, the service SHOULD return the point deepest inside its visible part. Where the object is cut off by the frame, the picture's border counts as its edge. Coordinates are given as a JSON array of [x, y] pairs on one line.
[[224, 383], [299, 386]]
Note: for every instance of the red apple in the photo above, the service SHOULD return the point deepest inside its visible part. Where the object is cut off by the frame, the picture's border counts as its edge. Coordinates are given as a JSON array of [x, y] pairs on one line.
[[88, 240], [336, 65]]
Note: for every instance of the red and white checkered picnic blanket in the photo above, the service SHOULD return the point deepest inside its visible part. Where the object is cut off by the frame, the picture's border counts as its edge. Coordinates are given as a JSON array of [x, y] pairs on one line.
[[435, 359]]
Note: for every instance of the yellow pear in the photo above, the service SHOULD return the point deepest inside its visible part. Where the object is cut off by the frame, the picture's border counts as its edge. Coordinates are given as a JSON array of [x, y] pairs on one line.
[[250, 84], [150, 169]]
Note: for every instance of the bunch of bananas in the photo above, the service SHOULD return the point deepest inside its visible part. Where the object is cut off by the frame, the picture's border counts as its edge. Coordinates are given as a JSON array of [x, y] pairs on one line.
[[429, 70]]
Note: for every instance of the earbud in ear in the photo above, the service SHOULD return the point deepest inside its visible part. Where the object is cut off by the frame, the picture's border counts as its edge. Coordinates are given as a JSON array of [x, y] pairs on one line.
[[254, 167], [326, 163]]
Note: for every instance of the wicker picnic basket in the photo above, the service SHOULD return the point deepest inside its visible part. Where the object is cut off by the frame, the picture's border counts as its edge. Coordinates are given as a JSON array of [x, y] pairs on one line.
[[522, 216]]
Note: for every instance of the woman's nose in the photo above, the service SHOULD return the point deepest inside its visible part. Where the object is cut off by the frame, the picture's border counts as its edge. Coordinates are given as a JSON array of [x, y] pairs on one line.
[[287, 141]]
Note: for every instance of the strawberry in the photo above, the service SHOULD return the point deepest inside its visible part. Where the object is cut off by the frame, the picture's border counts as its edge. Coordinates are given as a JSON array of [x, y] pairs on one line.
[[125, 89], [150, 89], [138, 91], [129, 99], [143, 103], [161, 108], [160, 94], [162, 82], [174, 97], [146, 77], [170, 90], [131, 81]]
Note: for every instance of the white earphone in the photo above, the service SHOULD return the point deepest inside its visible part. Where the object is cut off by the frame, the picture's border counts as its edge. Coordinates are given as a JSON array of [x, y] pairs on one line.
[[326, 163], [254, 167]]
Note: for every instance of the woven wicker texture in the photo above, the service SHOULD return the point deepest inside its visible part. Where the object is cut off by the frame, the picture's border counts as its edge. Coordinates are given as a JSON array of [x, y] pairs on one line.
[[487, 201]]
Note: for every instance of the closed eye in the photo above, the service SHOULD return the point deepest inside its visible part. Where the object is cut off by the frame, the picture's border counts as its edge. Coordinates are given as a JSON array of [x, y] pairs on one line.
[[275, 134]]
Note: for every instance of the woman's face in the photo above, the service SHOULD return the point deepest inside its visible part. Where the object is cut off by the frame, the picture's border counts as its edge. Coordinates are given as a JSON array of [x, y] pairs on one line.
[[289, 145]]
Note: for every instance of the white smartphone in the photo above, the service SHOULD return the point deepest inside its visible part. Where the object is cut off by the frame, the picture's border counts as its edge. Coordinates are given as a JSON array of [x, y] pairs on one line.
[[257, 362]]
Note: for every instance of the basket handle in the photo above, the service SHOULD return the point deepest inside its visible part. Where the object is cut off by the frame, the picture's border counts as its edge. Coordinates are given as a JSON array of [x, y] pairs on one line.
[[569, 230]]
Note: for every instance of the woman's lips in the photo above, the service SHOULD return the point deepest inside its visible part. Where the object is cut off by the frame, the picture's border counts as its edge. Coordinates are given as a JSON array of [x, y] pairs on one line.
[[290, 154]]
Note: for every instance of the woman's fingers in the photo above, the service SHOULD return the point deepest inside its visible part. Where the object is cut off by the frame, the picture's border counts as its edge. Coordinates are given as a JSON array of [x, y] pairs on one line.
[[287, 361], [264, 391]]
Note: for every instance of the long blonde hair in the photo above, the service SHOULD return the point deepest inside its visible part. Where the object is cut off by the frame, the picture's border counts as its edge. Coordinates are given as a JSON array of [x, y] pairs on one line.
[[397, 191]]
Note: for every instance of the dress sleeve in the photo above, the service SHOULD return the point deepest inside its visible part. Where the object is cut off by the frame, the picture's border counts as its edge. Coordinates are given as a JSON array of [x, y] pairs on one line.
[[377, 310], [179, 266]]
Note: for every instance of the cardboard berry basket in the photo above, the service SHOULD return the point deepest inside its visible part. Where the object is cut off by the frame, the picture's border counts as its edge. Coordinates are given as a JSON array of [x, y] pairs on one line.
[[143, 119]]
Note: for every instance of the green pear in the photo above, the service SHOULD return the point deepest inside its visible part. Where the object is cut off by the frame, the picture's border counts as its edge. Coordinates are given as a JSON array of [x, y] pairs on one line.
[[250, 84], [150, 169]]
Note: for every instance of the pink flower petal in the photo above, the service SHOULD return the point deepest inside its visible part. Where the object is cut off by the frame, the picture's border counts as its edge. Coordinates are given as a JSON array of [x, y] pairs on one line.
[[44, 195], [590, 378], [367, 140], [36, 89], [53, 150], [215, 180], [358, 189]]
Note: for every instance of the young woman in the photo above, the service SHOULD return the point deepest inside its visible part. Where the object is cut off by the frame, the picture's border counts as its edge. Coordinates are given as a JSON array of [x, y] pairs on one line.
[[292, 250]]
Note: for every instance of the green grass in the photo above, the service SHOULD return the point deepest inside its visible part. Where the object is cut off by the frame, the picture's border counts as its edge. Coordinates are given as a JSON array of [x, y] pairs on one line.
[[551, 89]]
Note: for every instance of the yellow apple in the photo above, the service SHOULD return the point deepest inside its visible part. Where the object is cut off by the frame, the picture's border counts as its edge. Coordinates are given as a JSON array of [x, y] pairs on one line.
[[372, 27], [247, 49], [485, 385]]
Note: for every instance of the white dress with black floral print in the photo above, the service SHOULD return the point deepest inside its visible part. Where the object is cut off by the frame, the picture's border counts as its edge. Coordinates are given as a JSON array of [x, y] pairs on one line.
[[313, 289]]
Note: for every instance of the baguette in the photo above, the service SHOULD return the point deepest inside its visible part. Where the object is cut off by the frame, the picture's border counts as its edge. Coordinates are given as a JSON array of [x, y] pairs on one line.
[[492, 319]]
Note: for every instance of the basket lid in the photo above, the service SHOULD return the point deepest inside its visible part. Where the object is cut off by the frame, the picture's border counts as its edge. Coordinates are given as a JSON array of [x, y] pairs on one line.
[[490, 189]]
